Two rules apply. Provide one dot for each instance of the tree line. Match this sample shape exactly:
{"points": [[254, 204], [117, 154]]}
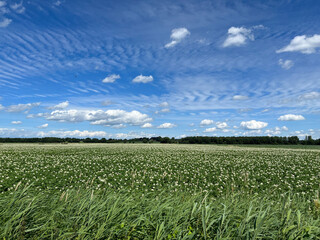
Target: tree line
{"points": [[293, 140]]}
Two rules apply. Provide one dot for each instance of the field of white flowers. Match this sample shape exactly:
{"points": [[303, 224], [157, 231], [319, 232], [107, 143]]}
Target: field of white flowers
{"points": [[147, 168], [154, 191]]}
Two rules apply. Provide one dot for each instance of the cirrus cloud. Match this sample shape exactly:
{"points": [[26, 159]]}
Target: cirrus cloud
{"points": [[286, 64], [22, 107], [240, 97]]}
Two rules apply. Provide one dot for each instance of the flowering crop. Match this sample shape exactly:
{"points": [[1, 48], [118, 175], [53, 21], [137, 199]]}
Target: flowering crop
{"points": [[147, 168]]}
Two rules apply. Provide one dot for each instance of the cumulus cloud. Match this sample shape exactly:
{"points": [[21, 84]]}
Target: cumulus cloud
{"points": [[18, 7], [5, 22], [253, 125], [167, 125], [206, 122], [147, 125], [240, 97], [142, 79], [133, 135], [61, 105], [16, 122], [22, 107], [43, 125], [75, 134], [209, 130], [238, 36], [99, 117], [291, 117], [286, 64], [111, 78], [221, 125], [1, 107], [303, 44], [12, 132], [177, 35]]}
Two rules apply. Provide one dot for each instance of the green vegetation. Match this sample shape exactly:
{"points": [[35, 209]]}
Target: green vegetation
{"points": [[270, 140], [153, 191]]}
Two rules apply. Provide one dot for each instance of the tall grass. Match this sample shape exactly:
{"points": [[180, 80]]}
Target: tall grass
{"points": [[86, 214]]}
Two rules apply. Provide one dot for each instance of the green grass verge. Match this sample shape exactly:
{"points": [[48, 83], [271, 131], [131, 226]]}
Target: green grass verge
{"points": [[86, 214]]}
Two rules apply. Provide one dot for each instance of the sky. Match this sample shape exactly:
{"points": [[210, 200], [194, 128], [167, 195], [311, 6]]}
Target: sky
{"points": [[126, 69]]}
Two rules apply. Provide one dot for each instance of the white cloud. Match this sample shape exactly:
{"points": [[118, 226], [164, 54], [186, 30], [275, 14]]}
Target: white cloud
{"points": [[147, 125], [1, 107], [142, 79], [106, 103], [167, 125], [291, 117], [12, 132], [22, 107], [165, 110], [133, 135], [177, 35], [164, 105], [75, 134], [286, 64], [99, 117], [18, 7], [253, 125], [61, 105], [43, 125], [206, 122], [238, 36], [240, 97], [5, 22], [303, 44], [209, 130], [111, 78], [221, 125], [118, 126], [16, 122], [57, 3], [310, 96], [2, 3], [284, 128]]}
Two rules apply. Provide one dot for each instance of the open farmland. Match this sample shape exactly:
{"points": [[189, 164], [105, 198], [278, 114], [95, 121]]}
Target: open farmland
{"points": [[211, 169], [186, 187]]}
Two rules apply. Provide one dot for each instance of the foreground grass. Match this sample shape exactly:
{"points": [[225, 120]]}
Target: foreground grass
{"points": [[88, 214]]}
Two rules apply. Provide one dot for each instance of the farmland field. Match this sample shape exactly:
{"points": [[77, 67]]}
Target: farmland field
{"points": [[164, 179]]}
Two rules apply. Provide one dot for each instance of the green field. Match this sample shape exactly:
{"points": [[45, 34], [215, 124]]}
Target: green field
{"points": [[154, 191]]}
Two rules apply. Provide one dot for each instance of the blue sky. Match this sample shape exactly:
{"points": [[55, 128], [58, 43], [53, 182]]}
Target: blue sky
{"points": [[123, 69]]}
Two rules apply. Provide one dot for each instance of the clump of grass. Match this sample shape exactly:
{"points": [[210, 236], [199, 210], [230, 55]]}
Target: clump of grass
{"points": [[89, 214]]}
